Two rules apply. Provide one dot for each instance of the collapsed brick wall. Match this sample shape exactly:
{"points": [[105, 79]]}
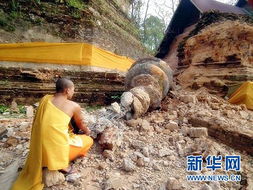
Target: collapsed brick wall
{"points": [[217, 56]]}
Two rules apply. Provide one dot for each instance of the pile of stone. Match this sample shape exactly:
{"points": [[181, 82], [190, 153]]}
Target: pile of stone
{"points": [[151, 151]]}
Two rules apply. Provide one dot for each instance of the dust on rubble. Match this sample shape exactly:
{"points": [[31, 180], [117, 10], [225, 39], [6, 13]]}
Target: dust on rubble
{"points": [[151, 151]]}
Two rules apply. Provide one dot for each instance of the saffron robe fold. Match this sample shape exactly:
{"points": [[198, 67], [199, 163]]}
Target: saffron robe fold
{"points": [[49, 145]]}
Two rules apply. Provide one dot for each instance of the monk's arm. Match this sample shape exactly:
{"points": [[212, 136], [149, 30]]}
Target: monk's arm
{"points": [[80, 120]]}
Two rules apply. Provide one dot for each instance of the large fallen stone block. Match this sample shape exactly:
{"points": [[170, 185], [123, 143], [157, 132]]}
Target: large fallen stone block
{"points": [[148, 81], [110, 138], [198, 132]]}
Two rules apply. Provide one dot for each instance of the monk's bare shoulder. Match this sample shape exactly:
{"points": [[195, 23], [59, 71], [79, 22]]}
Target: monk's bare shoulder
{"points": [[74, 105]]}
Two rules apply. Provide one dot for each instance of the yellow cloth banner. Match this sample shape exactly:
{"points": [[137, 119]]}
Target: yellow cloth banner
{"points": [[243, 95], [64, 53], [49, 146]]}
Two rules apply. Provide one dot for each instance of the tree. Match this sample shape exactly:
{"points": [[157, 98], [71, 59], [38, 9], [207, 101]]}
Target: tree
{"points": [[165, 9], [145, 18], [155, 28], [135, 11]]}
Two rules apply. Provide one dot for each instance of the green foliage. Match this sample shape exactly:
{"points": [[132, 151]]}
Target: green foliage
{"points": [[152, 33], [3, 108], [14, 4], [75, 3], [115, 97], [22, 109], [76, 14], [6, 22]]}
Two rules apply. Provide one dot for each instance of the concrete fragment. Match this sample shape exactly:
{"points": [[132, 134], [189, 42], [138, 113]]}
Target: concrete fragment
{"points": [[206, 187], [156, 167], [145, 126], [115, 181], [215, 185], [126, 99], [184, 130], [14, 107], [11, 141], [143, 161], [3, 132], [138, 144], [198, 132], [140, 162], [145, 151], [134, 122], [110, 138], [51, 178], [115, 107], [108, 154], [24, 126], [128, 165], [73, 177], [188, 99], [173, 184], [171, 125], [10, 132], [29, 111], [165, 152], [244, 114]]}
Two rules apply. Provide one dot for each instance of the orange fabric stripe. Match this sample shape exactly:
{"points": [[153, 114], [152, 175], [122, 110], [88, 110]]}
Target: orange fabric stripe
{"points": [[75, 152]]}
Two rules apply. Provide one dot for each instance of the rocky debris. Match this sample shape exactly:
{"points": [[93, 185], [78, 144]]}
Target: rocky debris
{"points": [[14, 107], [146, 151], [165, 152], [115, 181], [173, 184], [72, 177], [171, 125], [198, 132], [145, 126], [11, 141], [110, 138], [3, 132], [143, 161], [134, 122], [29, 111], [146, 158], [206, 187], [24, 126], [116, 107], [188, 99], [108, 154], [51, 178], [128, 165], [215, 185]]}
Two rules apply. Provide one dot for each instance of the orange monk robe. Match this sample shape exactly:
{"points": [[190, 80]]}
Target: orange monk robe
{"points": [[51, 145]]}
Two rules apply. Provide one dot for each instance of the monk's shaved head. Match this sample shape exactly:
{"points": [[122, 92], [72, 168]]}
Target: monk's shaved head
{"points": [[62, 84]]}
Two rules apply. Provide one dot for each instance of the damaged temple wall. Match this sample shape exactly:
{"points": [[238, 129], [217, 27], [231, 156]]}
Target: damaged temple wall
{"points": [[102, 23]]}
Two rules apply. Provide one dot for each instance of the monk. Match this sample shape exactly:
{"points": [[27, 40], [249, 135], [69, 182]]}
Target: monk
{"points": [[53, 145]]}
